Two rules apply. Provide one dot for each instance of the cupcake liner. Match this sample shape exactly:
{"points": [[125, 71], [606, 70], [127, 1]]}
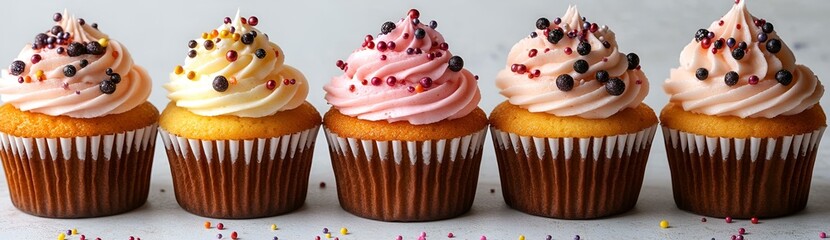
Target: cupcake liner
{"points": [[241, 178], [79, 177], [572, 178], [406, 180], [741, 178]]}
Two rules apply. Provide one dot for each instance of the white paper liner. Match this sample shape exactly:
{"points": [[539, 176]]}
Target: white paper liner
{"points": [[459, 147], [622, 145], [789, 145], [278, 147], [62, 148]]}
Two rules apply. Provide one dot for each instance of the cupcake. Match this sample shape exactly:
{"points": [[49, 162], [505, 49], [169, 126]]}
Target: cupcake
{"points": [[77, 132], [405, 133], [238, 132], [573, 137], [743, 123]]}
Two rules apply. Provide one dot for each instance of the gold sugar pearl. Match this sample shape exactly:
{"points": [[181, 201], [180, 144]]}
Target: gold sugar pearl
{"points": [[191, 75], [205, 36], [40, 75], [233, 80], [214, 33], [236, 37], [104, 42], [178, 70], [224, 33]]}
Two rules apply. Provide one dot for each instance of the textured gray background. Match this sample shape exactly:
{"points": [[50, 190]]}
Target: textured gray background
{"points": [[314, 34]]}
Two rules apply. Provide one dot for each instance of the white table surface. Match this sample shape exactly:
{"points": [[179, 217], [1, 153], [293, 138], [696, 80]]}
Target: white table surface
{"points": [[314, 34]]}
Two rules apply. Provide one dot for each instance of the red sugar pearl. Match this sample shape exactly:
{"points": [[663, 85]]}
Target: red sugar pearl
{"points": [[370, 45], [381, 46], [391, 45], [36, 58], [391, 80], [253, 20], [227, 20], [243, 20], [536, 73], [285, 82], [728, 219], [234, 235], [444, 46], [340, 64], [547, 50], [720, 23], [410, 89], [706, 43], [220, 226], [414, 13], [376, 81], [752, 81], [741, 231], [231, 56], [438, 54], [568, 50], [271, 84], [293, 81], [368, 38], [383, 57], [405, 35], [594, 27], [426, 82], [532, 53], [738, 26], [754, 220], [351, 88]]}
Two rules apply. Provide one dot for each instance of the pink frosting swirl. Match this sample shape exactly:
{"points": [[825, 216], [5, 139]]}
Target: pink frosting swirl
{"points": [[80, 95], [761, 97], [536, 89], [385, 79]]}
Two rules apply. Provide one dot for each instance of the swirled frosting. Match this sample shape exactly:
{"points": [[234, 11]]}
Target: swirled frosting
{"points": [[235, 70], [534, 64], [41, 82], [753, 88], [405, 74]]}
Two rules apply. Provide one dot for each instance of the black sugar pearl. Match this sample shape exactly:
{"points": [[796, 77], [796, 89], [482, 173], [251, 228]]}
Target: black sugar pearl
{"points": [[420, 33], [702, 74], [731, 42], [60, 50], [387, 27], [253, 33], [774, 45], [581, 66], [542, 23], [784, 77], [192, 44], [555, 35], [51, 40], [743, 45], [701, 34], [115, 78], [108, 71], [410, 51], [718, 44], [762, 37], [456, 63], [220, 84], [615, 87], [768, 28], [208, 44], [602, 76], [533, 34], [75, 49], [69, 71], [247, 38], [260, 53], [416, 21], [738, 53], [56, 29], [107, 87], [95, 48], [94, 25], [606, 44], [565, 82], [57, 17], [83, 63], [191, 53], [81, 21], [17, 68], [433, 24], [633, 61], [584, 48], [731, 78]]}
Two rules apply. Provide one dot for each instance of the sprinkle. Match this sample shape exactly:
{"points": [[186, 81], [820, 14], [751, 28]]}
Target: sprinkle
{"points": [[576, 237], [273, 226], [107, 87], [455, 64], [532, 53], [555, 35], [61, 236], [236, 37], [729, 219], [328, 235], [205, 35], [410, 89], [21, 80], [450, 235], [220, 84], [179, 70], [738, 53], [36, 58], [270, 85], [419, 88], [568, 51], [822, 235], [391, 80], [741, 231], [399, 237], [565, 82], [664, 224], [521, 237], [191, 53], [754, 220], [774, 46], [730, 79], [483, 237], [615, 87], [549, 237], [322, 184], [581, 66], [115, 54], [702, 219], [69, 71], [40, 75], [191, 75], [584, 48], [219, 236], [104, 42], [233, 80], [231, 56], [234, 235], [27, 79], [253, 20], [633, 60], [83, 237], [702, 74], [345, 231]]}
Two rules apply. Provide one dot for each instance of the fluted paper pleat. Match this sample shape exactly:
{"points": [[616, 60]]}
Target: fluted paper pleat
{"points": [[79, 177], [406, 180], [241, 178], [741, 178], [572, 178]]}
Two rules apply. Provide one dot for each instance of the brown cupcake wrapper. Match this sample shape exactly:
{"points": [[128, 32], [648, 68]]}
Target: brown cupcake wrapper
{"points": [[79, 177], [572, 178], [236, 179], [406, 181], [741, 178]]}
